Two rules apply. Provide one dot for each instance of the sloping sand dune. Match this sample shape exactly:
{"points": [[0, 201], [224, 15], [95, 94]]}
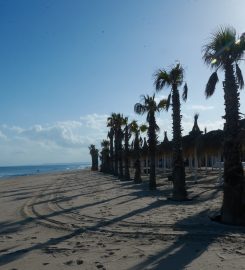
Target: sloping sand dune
{"points": [[87, 220]]}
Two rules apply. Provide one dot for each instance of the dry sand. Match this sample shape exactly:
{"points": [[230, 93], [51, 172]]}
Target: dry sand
{"points": [[87, 220]]}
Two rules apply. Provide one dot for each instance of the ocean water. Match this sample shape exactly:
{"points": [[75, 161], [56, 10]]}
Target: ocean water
{"points": [[11, 171]]}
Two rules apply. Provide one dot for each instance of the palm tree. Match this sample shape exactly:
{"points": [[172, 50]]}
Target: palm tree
{"points": [[105, 160], [120, 122], [111, 134], [174, 79], [137, 142], [150, 107], [94, 155], [127, 135], [223, 52], [115, 122]]}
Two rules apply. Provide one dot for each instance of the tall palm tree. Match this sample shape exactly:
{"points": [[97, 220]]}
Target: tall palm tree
{"points": [[105, 161], [120, 122], [127, 135], [115, 122], [223, 52], [150, 107], [94, 155], [137, 143], [111, 134], [174, 78]]}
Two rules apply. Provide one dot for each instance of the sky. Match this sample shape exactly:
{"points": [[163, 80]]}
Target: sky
{"points": [[67, 65]]}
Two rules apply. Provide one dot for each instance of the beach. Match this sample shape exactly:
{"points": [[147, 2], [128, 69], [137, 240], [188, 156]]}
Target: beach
{"points": [[89, 220]]}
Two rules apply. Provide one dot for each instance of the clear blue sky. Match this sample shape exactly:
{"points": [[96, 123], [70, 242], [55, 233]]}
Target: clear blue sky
{"points": [[66, 65]]}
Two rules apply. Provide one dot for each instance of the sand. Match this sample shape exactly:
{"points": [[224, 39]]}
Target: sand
{"points": [[88, 220]]}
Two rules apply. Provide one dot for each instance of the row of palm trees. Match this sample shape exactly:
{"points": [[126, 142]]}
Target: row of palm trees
{"points": [[117, 159], [224, 52]]}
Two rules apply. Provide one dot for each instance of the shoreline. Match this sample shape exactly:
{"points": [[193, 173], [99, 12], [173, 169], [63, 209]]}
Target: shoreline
{"points": [[39, 171], [89, 220]]}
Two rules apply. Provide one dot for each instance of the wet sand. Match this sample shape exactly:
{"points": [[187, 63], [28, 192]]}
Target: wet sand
{"points": [[88, 220]]}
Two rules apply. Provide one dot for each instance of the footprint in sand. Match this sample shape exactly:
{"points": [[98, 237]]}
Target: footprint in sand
{"points": [[118, 240], [101, 244], [68, 262], [100, 266], [79, 261]]}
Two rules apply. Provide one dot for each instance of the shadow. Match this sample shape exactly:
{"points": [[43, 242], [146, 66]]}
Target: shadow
{"points": [[180, 253], [12, 256], [18, 225], [65, 199], [188, 246], [13, 227], [208, 197]]}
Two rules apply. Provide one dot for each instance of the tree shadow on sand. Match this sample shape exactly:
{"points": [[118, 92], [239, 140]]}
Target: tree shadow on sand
{"points": [[179, 254], [193, 240], [189, 245]]}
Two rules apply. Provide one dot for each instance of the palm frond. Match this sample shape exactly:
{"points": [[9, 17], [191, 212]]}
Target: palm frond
{"points": [[91, 147], [133, 126], [105, 144], [176, 74], [210, 87], [168, 102], [161, 79], [222, 47], [239, 77], [139, 108], [162, 105], [143, 128], [185, 92]]}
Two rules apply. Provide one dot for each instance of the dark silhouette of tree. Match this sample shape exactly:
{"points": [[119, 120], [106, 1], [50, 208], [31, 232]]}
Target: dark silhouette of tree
{"points": [[94, 155], [174, 79], [137, 143], [127, 136], [115, 122], [150, 107], [104, 156], [223, 52], [111, 134]]}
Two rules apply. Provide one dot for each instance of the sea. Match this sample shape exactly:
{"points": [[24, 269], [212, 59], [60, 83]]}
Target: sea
{"points": [[12, 171]]}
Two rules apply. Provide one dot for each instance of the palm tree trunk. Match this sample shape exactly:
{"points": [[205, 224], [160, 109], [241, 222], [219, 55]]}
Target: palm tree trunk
{"points": [[120, 156], [126, 154], [233, 207], [179, 189], [116, 154], [152, 151], [206, 163], [111, 151], [94, 157], [137, 175]]}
